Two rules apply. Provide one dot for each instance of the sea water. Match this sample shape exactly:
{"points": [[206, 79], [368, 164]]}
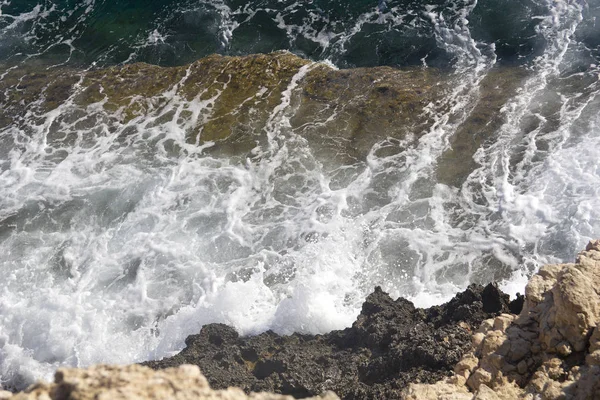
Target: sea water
{"points": [[120, 239]]}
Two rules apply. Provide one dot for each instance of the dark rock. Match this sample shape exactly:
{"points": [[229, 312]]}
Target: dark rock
{"points": [[472, 306], [391, 344], [493, 299], [516, 305]]}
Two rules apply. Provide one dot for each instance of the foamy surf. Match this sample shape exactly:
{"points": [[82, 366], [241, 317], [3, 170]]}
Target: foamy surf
{"points": [[119, 239]]}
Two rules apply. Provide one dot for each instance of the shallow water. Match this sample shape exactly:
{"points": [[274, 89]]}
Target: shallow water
{"points": [[118, 238]]}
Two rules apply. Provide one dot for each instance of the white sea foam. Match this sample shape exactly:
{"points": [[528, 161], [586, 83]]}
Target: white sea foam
{"points": [[28, 29], [516, 174], [118, 240]]}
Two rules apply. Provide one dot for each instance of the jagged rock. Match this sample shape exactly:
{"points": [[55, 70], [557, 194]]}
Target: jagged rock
{"points": [[391, 344], [550, 351], [438, 390], [135, 382]]}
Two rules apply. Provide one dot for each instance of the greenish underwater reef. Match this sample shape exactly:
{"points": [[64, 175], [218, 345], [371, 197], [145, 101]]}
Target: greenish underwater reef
{"points": [[235, 103]]}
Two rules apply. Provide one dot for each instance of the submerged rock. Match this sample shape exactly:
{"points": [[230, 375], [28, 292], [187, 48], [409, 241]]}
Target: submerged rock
{"points": [[391, 344], [234, 104], [551, 350]]}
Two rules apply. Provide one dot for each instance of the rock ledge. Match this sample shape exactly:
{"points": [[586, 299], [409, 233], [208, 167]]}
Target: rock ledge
{"points": [[391, 344]]}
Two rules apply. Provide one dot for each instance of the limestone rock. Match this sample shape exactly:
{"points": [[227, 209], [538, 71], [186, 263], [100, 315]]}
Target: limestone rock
{"points": [[135, 382], [550, 351], [5, 395]]}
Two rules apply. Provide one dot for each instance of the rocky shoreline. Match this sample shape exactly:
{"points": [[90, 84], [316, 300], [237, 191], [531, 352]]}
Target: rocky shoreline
{"points": [[477, 346], [390, 345], [551, 350]]}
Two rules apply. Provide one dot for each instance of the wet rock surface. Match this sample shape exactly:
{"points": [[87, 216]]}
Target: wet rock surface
{"points": [[233, 104], [390, 345]]}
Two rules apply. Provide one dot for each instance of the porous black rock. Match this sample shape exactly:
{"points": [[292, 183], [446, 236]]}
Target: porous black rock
{"points": [[391, 344]]}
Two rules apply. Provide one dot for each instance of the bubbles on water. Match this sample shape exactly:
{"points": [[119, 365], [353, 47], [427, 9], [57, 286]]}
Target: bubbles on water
{"points": [[118, 239], [514, 177], [99, 33]]}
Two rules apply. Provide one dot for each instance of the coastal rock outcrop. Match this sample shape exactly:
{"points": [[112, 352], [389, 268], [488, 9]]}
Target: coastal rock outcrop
{"points": [[390, 345], [550, 351], [135, 382], [475, 347]]}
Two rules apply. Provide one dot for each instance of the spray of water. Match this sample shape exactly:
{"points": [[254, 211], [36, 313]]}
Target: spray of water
{"points": [[119, 239]]}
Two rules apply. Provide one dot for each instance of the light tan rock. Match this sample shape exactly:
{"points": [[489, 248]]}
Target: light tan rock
{"points": [[486, 326], [485, 393], [595, 340], [437, 391], [510, 391], [493, 342], [576, 305], [477, 341], [465, 366], [136, 382], [525, 357], [4, 395], [479, 377], [503, 321]]}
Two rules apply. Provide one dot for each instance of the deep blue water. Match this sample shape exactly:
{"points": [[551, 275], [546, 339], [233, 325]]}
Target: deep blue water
{"points": [[348, 33]]}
